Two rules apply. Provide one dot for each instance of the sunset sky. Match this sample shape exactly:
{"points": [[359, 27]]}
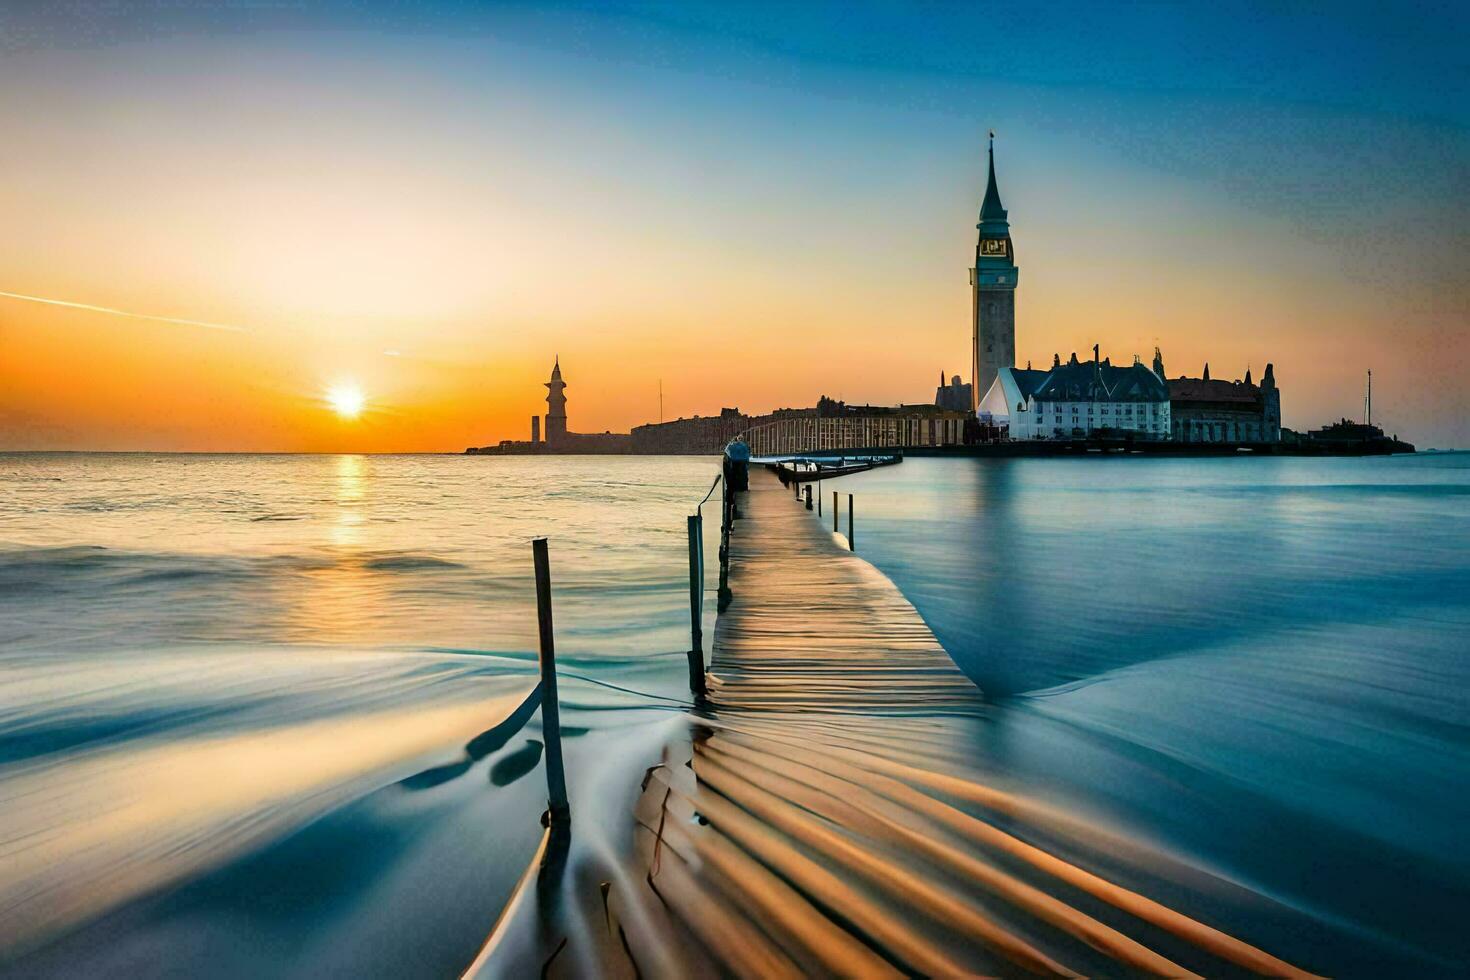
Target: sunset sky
{"points": [[754, 204]]}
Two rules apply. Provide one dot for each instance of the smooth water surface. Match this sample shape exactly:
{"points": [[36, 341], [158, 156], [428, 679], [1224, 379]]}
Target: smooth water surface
{"points": [[1262, 665], [252, 701], [243, 695]]}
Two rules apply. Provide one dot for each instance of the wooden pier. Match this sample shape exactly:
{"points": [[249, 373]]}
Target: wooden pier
{"points": [[825, 820], [825, 815], [813, 627]]}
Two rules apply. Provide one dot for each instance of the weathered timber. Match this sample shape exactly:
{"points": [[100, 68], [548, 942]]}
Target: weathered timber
{"points": [[812, 625]]}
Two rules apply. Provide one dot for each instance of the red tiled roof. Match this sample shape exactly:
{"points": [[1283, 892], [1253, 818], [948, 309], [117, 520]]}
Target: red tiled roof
{"points": [[1199, 390]]}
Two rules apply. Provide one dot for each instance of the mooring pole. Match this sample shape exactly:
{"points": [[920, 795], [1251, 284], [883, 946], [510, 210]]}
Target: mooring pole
{"points": [[851, 541], [727, 507], [696, 605], [819, 498], [558, 813], [836, 514], [808, 496]]}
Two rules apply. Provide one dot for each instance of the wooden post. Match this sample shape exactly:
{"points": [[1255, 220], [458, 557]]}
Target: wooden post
{"points": [[851, 540], [727, 517], [819, 498], [808, 496], [558, 812], [836, 514], [696, 606]]}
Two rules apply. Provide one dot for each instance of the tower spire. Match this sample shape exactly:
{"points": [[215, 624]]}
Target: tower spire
{"points": [[992, 209], [993, 291]]}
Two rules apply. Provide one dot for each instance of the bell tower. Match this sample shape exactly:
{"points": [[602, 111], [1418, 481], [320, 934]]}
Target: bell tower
{"points": [[993, 292], [556, 406]]}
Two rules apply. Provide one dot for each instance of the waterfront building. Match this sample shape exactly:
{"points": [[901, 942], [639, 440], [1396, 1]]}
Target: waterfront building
{"points": [[1215, 410], [1080, 399], [992, 292], [954, 397], [682, 436], [830, 424]]}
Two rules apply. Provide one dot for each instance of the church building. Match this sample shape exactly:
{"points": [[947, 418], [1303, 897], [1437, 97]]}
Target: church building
{"points": [[1080, 399]]}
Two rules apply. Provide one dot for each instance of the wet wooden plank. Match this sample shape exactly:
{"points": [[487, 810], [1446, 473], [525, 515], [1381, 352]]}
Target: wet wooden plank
{"points": [[825, 815], [812, 625]]}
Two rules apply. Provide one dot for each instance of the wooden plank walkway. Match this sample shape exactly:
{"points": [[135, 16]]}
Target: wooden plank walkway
{"points": [[825, 817], [814, 627]]}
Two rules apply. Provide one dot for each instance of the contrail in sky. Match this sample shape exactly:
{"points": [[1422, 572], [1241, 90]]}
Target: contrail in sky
{"points": [[136, 316]]}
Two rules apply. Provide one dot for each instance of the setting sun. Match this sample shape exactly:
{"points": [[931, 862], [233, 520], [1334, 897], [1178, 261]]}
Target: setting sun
{"points": [[346, 400]]}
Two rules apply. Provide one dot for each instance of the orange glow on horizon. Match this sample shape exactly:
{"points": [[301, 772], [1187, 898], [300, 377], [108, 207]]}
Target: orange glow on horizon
{"points": [[190, 280]]}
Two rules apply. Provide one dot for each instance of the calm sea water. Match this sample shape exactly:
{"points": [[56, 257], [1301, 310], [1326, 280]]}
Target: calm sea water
{"points": [[243, 692], [1261, 665]]}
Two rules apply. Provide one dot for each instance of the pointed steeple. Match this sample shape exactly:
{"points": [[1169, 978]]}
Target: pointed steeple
{"points": [[556, 369], [1207, 371], [1247, 375], [992, 209]]}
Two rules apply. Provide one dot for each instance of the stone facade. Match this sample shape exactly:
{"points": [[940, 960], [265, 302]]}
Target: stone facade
{"points": [[1207, 410], [696, 436], [995, 318], [953, 397]]}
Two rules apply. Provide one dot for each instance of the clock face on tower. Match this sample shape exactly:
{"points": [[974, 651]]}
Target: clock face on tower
{"points": [[993, 247]]}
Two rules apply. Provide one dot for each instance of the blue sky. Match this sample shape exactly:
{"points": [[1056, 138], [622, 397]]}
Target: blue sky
{"points": [[1237, 182]]}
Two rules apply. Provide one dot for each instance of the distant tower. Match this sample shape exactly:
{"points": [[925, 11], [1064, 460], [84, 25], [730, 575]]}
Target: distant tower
{"points": [[535, 429], [556, 406], [1159, 365], [1271, 398], [992, 292]]}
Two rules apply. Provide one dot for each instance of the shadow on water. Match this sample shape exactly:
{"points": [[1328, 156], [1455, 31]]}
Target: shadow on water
{"points": [[489, 741], [516, 764]]}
